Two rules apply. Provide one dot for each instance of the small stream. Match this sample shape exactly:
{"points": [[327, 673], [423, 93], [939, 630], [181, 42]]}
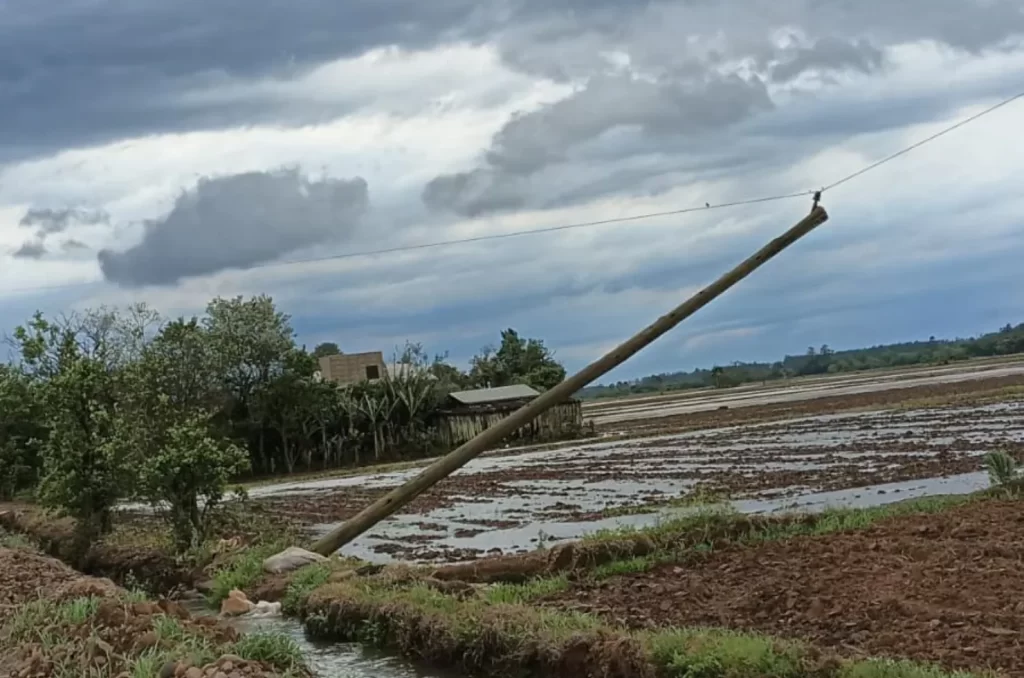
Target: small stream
{"points": [[326, 660], [334, 660]]}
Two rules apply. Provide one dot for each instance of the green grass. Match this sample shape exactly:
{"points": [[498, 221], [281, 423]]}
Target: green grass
{"points": [[700, 653], [521, 593], [698, 531], [497, 630], [278, 650], [243, 570], [302, 583], [35, 621], [9, 540]]}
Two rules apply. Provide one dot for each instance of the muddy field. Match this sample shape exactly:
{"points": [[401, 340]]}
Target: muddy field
{"points": [[617, 412], [942, 588], [513, 502]]}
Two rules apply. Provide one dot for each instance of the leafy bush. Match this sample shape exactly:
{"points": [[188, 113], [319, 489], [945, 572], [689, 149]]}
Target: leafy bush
{"points": [[189, 475]]}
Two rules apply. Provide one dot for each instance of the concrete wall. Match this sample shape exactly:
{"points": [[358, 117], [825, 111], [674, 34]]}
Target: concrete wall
{"points": [[351, 368]]}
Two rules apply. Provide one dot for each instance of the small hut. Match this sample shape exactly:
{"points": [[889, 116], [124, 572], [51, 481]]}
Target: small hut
{"points": [[467, 413]]}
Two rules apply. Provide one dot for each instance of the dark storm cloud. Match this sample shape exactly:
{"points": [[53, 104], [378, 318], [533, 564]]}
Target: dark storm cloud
{"points": [[530, 142], [235, 222], [77, 73], [83, 72], [660, 36], [829, 54], [49, 220]]}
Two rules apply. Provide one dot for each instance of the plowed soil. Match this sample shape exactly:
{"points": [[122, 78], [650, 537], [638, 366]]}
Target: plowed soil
{"points": [[943, 588]]}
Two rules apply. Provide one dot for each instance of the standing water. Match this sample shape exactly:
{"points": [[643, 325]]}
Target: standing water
{"points": [[327, 660]]}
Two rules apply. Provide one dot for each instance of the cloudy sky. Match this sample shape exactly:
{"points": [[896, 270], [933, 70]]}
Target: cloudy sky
{"points": [[172, 151]]}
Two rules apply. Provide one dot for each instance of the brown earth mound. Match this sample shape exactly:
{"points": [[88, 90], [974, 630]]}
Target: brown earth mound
{"points": [[943, 587], [40, 638]]}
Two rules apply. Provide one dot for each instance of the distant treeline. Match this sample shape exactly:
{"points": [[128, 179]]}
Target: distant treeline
{"points": [[1007, 341]]}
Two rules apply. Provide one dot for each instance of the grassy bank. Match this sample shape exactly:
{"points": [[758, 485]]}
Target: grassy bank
{"points": [[57, 623], [495, 625], [700, 530], [478, 636]]}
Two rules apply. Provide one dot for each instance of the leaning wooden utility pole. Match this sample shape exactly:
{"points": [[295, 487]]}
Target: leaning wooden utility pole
{"points": [[445, 466]]}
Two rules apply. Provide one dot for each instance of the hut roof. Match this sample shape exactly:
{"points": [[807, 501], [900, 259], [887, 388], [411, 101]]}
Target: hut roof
{"points": [[482, 396]]}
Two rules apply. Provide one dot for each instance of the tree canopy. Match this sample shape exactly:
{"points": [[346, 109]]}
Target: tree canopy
{"points": [[111, 405]]}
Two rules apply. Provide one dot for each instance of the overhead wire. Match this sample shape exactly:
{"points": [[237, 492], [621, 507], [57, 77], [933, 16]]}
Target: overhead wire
{"points": [[601, 222]]}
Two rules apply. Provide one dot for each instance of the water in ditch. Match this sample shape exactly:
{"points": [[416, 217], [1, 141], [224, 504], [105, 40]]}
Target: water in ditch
{"points": [[328, 660]]}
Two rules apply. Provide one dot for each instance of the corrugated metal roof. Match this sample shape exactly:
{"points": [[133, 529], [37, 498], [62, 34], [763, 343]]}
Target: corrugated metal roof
{"points": [[493, 395]]}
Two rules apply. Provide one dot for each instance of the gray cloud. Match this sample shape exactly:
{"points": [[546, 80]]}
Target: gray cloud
{"points": [[32, 249], [829, 54], [570, 45], [474, 193], [72, 245], [530, 142], [49, 220], [236, 222], [83, 73]]}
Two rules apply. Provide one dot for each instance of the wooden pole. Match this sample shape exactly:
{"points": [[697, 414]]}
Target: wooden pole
{"points": [[445, 466]]}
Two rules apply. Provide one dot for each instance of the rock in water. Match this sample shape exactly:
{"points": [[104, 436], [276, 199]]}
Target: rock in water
{"points": [[291, 559], [235, 604]]}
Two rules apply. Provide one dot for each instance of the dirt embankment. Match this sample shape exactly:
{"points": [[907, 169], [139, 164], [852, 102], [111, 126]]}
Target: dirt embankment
{"points": [[940, 588], [55, 622], [151, 568]]}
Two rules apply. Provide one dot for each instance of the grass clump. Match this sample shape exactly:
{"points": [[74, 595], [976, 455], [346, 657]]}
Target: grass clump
{"points": [[9, 540], [699, 653], [1004, 473], [891, 668], [302, 583], [36, 621], [278, 650], [241, 571], [531, 590]]}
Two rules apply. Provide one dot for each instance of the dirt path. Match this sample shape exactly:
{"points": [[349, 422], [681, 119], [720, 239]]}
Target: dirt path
{"points": [[943, 588]]}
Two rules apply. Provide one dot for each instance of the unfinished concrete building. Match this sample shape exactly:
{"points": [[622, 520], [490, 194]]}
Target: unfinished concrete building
{"points": [[352, 368]]}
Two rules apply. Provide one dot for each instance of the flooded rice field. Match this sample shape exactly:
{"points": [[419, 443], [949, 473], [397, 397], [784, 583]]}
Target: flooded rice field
{"points": [[513, 503], [618, 411]]}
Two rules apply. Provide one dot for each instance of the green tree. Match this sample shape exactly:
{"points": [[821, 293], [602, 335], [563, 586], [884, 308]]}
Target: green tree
{"points": [[325, 349], [517, 361], [22, 431], [249, 341], [85, 472], [79, 362], [189, 474]]}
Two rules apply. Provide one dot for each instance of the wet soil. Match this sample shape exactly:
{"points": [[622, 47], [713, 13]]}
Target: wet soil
{"points": [[777, 460], [961, 393], [942, 588]]}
